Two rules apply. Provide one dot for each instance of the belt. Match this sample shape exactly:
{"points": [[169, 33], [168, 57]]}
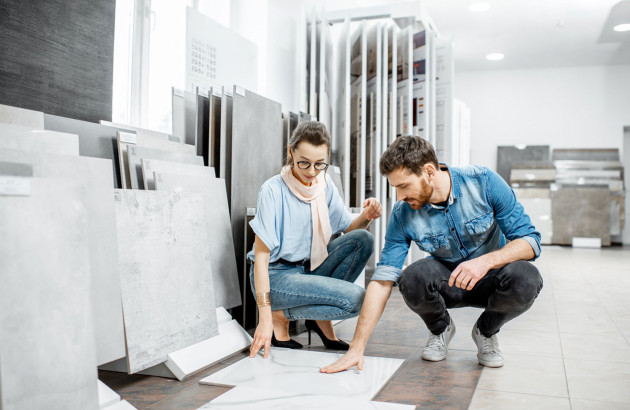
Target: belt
{"points": [[303, 262]]}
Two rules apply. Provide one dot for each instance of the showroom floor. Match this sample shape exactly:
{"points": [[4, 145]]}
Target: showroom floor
{"points": [[571, 350]]}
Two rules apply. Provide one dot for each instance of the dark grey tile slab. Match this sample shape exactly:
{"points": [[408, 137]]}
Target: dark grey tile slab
{"points": [[509, 155], [135, 154], [214, 147], [202, 131], [586, 154], [225, 167]]}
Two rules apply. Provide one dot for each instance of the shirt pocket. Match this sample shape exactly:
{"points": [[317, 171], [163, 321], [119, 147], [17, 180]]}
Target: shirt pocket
{"points": [[436, 245], [479, 228]]}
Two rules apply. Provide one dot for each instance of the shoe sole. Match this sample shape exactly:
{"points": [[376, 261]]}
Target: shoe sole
{"points": [[490, 364]]}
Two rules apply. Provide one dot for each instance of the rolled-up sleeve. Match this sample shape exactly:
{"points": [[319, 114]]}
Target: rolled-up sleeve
{"points": [[510, 214], [264, 223], [394, 252]]}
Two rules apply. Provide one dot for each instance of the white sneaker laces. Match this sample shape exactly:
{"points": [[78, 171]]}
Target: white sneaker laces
{"points": [[436, 341], [489, 345]]}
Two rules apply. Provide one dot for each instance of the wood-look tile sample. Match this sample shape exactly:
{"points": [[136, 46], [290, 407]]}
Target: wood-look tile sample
{"points": [[165, 274], [31, 139], [152, 166], [135, 154], [225, 276], [95, 174], [47, 347]]}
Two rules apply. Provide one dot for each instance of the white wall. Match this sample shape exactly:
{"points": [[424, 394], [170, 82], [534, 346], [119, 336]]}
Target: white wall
{"points": [[578, 107]]}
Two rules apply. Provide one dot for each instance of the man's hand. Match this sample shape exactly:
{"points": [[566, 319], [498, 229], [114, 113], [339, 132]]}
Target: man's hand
{"points": [[467, 274], [372, 209], [351, 358]]}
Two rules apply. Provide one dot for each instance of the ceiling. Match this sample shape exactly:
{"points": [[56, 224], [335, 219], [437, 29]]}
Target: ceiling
{"points": [[531, 33]]}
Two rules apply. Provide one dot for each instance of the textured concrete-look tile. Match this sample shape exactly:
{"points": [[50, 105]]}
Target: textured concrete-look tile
{"points": [[527, 374], [225, 276], [597, 380], [165, 274], [21, 117], [36, 140], [486, 399], [151, 167], [135, 154], [47, 350]]}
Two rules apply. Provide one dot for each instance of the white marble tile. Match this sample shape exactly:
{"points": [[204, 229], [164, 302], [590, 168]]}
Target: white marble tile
{"points": [[487, 399], [106, 396], [36, 140], [154, 166], [135, 154], [96, 175], [165, 274], [245, 398], [226, 285], [47, 348], [21, 116], [597, 380], [298, 372]]}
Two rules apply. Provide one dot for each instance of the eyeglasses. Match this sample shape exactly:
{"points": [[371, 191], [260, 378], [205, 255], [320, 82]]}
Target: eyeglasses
{"points": [[319, 166]]}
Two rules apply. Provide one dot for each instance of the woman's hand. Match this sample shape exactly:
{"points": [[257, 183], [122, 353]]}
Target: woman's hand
{"points": [[372, 209], [262, 338]]}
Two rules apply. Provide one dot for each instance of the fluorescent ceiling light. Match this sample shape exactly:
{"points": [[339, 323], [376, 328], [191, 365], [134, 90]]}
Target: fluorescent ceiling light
{"points": [[495, 56], [477, 7], [622, 27]]}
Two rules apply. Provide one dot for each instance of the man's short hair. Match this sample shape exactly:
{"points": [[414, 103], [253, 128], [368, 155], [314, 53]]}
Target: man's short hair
{"points": [[408, 152]]}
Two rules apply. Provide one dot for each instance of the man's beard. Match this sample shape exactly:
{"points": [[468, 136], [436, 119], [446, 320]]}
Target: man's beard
{"points": [[423, 198]]}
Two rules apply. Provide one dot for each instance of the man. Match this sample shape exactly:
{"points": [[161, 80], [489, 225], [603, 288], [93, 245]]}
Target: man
{"points": [[461, 216]]}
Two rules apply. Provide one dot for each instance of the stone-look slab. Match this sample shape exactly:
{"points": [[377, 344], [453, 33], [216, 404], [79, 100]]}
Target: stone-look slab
{"points": [[256, 155], [202, 129], [95, 175], [31, 139], [586, 154], [225, 275], [14, 168], [298, 372], [21, 117], [165, 274], [225, 155], [153, 166], [47, 350], [582, 212], [135, 154], [144, 132], [214, 148], [245, 398], [510, 155], [147, 141]]}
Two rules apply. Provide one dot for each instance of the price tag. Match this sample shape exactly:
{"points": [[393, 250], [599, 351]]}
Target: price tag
{"points": [[15, 186]]}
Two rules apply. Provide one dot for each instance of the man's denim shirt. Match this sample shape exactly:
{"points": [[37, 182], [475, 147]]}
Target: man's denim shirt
{"points": [[482, 212]]}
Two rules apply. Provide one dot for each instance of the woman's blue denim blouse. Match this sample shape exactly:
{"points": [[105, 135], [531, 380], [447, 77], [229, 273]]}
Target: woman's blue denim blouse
{"points": [[480, 214]]}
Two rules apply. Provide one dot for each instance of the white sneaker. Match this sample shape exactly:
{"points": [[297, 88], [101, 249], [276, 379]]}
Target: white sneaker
{"points": [[488, 352], [436, 347]]}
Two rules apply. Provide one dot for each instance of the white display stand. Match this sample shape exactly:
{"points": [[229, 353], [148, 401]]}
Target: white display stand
{"points": [[232, 338]]}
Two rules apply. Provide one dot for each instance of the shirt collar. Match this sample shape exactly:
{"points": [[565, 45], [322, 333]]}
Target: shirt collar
{"points": [[455, 190]]}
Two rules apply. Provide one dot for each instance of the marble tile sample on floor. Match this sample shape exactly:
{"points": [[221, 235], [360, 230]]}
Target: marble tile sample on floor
{"points": [[31, 139], [244, 398], [298, 372], [47, 350], [95, 174], [153, 166], [225, 275], [21, 116], [580, 212], [124, 140], [165, 274], [135, 154]]}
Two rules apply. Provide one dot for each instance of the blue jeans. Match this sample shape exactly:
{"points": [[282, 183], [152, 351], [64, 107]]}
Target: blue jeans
{"points": [[328, 292]]}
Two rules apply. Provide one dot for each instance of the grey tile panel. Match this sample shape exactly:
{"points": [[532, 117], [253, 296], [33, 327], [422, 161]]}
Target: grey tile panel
{"points": [[509, 155], [225, 166], [153, 166], [30, 139], [202, 131], [580, 211], [135, 154], [21, 117], [586, 154]]}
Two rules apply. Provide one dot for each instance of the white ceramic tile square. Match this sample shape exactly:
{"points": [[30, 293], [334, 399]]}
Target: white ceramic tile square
{"points": [[486, 399], [47, 349], [597, 380], [96, 175], [298, 372], [153, 166], [36, 140], [226, 285], [106, 396], [165, 274], [245, 398], [135, 154], [21, 116], [527, 374]]}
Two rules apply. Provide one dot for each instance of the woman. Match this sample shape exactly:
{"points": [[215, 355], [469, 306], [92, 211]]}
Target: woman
{"points": [[298, 273]]}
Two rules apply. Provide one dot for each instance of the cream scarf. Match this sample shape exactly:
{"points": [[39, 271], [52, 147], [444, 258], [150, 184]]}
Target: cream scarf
{"points": [[315, 194]]}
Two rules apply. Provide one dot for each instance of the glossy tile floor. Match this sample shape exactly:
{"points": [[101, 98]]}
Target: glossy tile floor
{"points": [[570, 351]]}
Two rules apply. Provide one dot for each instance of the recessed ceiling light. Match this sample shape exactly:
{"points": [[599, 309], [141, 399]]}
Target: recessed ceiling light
{"points": [[622, 27], [495, 56], [478, 7]]}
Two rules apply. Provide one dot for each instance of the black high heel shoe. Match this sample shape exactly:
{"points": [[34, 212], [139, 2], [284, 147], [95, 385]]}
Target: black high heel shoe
{"points": [[289, 344], [330, 344]]}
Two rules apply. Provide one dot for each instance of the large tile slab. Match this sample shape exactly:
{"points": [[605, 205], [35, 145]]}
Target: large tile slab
{"points": [[527, 374], [21, 116], [581, 404], [95, 175], [135, 154], [580, 212], [298, 372], [597, 380], [510, 155], [152, 166], [486, 399], [608, 348], [31, 139], [165, 272], [47, 350], [248, 397], [225, 276]]}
